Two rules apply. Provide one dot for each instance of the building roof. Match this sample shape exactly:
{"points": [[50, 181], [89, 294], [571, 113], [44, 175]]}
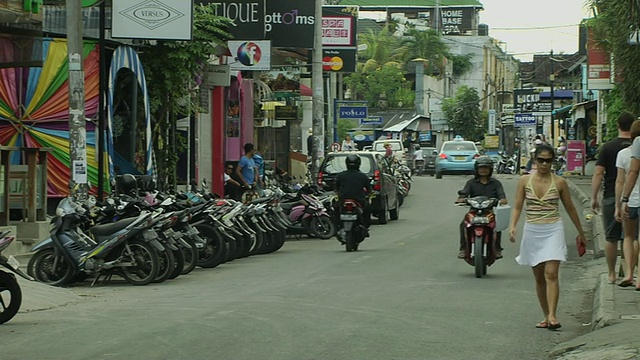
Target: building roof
{"points": [[381, 4]]}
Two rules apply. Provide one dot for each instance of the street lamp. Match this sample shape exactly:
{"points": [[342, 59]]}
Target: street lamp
{"points": [[589, 95]]}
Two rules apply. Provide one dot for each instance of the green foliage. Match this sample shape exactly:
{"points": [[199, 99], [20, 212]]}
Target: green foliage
{"points": [[464, 115], [615, 106], [344, 125], [387, 80], [428, 45], [381, 47], [461, 64], [171, 68], [615, 21]]}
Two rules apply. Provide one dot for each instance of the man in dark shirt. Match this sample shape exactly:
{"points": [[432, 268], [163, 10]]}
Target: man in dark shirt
{"points": [[481, 185], [606, 168], [354, 184]]}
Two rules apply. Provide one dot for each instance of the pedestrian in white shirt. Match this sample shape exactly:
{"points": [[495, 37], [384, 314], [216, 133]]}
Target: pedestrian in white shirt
{"points": [[629, 222], [348, 144]]}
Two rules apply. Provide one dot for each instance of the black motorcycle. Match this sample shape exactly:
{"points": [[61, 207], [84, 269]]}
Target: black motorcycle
{"points": [[10, 293]]}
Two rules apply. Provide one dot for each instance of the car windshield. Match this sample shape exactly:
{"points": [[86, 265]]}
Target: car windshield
{"points": [[335, 164], [458, 146], [395, 146]]}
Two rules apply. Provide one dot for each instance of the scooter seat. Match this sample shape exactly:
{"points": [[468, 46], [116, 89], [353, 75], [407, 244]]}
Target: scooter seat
{"points": [[289, 206], [108, 229]]}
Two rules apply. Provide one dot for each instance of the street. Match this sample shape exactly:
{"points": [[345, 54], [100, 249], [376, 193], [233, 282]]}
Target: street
{"points": [[404, 295]]}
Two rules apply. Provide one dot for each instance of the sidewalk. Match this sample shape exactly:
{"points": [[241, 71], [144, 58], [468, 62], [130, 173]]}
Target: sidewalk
{"points": [[615, 318]]}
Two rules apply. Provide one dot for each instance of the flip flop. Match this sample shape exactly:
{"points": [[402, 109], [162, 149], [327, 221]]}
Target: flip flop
{"points": [[626, 283], [554, 326], [542, 325]]}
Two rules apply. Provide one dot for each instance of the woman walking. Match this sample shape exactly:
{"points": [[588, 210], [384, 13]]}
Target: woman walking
{"points": [[348, 144], [543, 244]]}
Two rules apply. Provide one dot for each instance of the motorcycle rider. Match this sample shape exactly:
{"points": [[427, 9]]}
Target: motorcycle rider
{"points": [[481, 185], [354, 184]]}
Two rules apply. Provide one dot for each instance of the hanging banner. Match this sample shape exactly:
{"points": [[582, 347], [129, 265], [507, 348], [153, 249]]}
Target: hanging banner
{"points": [[250, 55], [598, 65]]}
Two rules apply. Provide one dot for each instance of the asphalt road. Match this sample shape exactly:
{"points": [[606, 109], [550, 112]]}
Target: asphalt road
{"points": [[404, 295]]}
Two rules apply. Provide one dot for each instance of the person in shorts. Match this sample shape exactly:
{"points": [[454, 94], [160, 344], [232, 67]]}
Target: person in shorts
{"points": [[604, 177], [630, 223]]}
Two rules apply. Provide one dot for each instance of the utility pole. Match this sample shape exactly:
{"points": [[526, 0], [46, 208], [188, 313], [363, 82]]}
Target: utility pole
{"points": [[552, 78], [77, 126], [318, 93]]}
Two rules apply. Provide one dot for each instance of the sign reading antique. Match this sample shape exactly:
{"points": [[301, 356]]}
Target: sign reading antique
{"points": [[152, 19], [247, 17]]}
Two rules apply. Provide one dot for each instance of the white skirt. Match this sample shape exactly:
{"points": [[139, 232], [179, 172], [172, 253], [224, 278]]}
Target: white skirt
{"points": [[542, 242]]}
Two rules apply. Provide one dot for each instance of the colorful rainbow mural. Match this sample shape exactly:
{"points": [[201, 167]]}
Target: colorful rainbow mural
{"points": [[34, 109]]}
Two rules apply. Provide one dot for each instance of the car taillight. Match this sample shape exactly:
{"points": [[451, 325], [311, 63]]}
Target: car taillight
{"points": [[320, 178], [442, 156], [376, 179], [476, 156]]}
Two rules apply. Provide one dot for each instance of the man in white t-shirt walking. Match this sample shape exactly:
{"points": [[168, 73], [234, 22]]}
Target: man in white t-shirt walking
{"points": [[630, 224]]}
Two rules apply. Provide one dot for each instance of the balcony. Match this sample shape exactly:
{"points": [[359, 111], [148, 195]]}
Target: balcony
{"points": [[13, 11]]}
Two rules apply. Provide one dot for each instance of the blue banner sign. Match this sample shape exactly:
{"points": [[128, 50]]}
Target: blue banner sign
{"points": [[371, 120], [522, 120], [353, 112]]}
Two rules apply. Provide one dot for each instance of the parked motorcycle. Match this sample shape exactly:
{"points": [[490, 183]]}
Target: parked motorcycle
{"points": [[127, 247], [10, 293], [506, 164], [308, 216], [480, 225]]}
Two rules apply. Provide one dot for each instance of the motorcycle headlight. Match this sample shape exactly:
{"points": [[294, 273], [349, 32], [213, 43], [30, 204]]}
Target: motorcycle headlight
{"points": [[473, 203]]}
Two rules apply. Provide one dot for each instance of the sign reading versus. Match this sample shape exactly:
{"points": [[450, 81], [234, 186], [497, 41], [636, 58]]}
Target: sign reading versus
{"points": [[152, 19]]}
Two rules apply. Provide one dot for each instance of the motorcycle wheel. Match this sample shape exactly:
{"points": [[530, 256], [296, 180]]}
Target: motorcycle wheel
{"points": [[400, 199], [382, 215], [349, 242], [478, 261], [232, 249], [145, 259], [40, 267], [178, 255], [214, 251], [259, 240], [323, 227], [166, 265], [191, 256], [279, 239], [10, 294]]}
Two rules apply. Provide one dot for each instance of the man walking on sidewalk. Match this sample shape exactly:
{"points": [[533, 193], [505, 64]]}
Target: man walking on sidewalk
{"points": [[606, 168]]}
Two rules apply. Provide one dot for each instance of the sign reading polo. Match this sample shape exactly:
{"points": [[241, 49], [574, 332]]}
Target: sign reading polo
{"points": [[152, 19], [353, 112]]}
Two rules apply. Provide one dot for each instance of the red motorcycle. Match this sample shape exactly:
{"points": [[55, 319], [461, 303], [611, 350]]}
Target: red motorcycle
{"points": [[480, 227]]}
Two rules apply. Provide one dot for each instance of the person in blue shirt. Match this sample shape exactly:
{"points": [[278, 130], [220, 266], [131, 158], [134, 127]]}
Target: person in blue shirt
{"points": [[247, 170], [259, 161]]}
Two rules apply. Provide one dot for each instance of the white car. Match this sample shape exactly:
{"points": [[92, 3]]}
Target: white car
{"points": [[396, 146]]}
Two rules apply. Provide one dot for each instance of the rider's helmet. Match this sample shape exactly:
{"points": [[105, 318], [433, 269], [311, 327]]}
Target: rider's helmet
{"points": [[483, 161], [128, 185], [353, 162]]}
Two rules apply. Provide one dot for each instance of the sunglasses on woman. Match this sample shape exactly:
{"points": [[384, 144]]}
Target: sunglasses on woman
{"points": [[542, 160]]}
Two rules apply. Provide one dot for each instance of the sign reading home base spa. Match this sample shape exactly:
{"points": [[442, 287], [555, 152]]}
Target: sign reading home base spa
{"points": [[152, 19]]}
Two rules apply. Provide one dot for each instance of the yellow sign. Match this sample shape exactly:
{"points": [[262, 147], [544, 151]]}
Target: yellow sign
{"points": [[491, 142]]}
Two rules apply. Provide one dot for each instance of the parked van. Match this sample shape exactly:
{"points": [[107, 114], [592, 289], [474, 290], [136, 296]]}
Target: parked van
{"points": [[396, 146]]}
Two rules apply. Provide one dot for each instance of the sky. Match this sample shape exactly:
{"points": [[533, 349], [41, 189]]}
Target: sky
{"points": [[549, 17]]}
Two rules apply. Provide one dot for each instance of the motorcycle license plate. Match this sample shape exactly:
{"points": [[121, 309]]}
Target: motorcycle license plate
{"points": [[480, 220], [348, 217], [13, 262], [150, 234]]}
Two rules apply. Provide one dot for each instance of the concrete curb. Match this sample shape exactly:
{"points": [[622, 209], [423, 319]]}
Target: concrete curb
{"points": [[594, 228], [603, 313]]}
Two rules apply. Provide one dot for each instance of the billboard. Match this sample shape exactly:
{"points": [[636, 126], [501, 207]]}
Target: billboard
{"points": [[598, 65], [152, 19], [453, 20], [290, 23], [339, 60], [247, 17], [339, 26], [250, 55]]}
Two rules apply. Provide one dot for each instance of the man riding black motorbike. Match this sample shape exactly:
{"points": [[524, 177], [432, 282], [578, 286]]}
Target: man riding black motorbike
{"points": [[481, 185], [354, 184]]}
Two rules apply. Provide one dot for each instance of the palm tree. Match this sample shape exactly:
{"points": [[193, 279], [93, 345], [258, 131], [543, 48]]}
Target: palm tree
{"points": [[425, 44], [381, 48]]}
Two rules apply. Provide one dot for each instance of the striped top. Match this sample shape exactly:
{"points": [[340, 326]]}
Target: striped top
{"points": [[542, 210]]}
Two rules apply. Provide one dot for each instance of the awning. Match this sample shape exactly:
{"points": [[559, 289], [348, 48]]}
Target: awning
{"points": [[417, 123], [560, 113], [305, 90], [558, 94]]}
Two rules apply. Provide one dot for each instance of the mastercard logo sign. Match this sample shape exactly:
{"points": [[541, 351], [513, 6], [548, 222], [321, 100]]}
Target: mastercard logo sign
{"points": [[334, 63]]}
